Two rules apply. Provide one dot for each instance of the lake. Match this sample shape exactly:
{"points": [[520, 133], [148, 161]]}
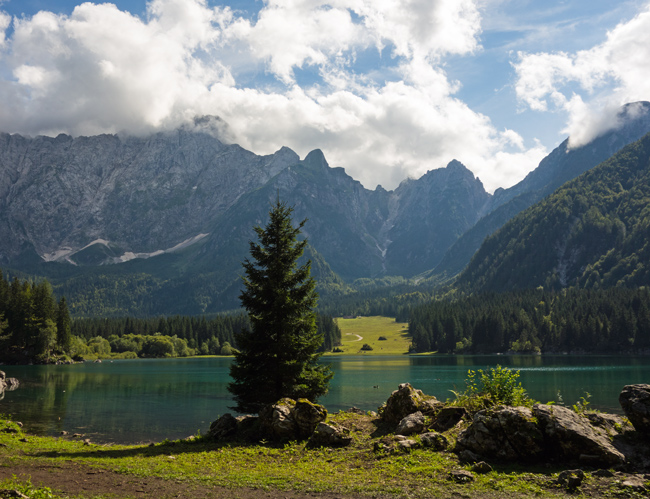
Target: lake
{"points": [[129, 401]]}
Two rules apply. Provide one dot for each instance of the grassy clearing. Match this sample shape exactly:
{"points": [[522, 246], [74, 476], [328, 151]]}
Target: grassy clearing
{"points": [[354, 470], [367, 330]]}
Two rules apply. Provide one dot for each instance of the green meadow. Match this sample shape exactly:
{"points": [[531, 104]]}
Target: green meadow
{"points": [[368, 330]]}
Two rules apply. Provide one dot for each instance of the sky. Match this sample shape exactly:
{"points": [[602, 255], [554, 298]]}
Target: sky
{"points": [[387, 89]]}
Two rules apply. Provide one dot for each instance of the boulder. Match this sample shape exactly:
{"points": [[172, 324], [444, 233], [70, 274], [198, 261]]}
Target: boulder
{"points": [[307, 416], [411, 424], [448, 417], [635, 401], [407, 400], [571, 479], [570, 436], [434, 440], [508, 433], [330, 435], [224, 427], [290, 420], [276, 420]]}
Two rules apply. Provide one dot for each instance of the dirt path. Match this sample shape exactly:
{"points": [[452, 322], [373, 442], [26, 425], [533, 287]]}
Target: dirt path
{"points": [[359, 338], [79, 480]]}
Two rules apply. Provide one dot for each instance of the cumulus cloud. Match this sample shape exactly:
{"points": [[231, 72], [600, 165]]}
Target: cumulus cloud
{"points": [[104, 70], [590, 85], [5, 21]]}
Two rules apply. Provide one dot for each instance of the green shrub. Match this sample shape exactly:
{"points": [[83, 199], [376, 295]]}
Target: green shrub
{"points": [[366, 347], [498, 386]]}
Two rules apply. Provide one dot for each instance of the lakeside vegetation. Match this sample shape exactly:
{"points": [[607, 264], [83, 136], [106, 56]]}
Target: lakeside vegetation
{"points": [[534, 321], [373, 464]]}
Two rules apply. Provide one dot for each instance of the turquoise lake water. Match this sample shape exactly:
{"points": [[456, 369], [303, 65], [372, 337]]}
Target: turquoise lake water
{"points": [[133, 401]]}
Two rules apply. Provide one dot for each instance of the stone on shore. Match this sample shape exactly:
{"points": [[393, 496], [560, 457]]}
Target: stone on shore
{"points": [[635, 401], [508, 433], [569, 436], [407, 400]]}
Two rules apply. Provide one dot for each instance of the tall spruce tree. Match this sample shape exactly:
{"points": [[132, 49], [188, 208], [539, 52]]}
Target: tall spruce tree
{"points": [[277, 357]]}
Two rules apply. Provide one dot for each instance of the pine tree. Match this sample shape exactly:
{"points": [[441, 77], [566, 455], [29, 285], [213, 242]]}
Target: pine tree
{"points": [[63, 334], [278, 354]]}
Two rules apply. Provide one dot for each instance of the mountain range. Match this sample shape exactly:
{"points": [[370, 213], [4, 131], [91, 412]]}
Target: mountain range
{"points": [[160, 224]]}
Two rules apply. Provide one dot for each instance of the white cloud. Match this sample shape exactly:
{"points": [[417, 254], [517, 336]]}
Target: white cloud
{"points": [[5, 21], [104, 70], [590, 85]]}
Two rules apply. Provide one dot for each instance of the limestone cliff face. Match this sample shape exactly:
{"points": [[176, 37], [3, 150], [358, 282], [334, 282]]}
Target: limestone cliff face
{"points": [[138, 195], [97, 201]]}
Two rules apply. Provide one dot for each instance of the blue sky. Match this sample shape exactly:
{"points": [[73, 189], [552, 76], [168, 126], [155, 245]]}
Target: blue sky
{"points": [[386, 88]]}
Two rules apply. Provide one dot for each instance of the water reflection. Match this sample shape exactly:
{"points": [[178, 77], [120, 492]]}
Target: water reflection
{"points": [[149, 400]]}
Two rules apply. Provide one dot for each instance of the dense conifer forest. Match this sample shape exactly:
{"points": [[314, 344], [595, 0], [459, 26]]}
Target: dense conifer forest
{"points": [[35, 327], [533, 321]]}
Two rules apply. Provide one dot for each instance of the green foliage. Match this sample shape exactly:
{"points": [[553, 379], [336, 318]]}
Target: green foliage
{"points": [[366, 347], [591, 233], [278, 355], [533, 321], [581, 405], [29, 320], [26, 488], [498, 386]]}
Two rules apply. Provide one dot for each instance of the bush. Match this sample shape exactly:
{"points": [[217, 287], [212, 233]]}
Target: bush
{"points": [[382, 338], [495, 387], [366, 347]]}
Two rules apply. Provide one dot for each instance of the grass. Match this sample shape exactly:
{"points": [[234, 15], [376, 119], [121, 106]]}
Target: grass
{"points": [[354, 470], [370, 329]]}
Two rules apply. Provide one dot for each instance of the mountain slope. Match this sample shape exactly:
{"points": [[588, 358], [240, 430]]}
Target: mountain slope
{"points": [[562, 165], [130, 195], [592, 232]]}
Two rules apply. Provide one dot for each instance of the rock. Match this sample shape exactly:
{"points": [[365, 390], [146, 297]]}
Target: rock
{"points": [[411, 424], [290, 420], [224, 427], [571, 479], [12, 383], [408, 444], [355, 410], [447, 418], [330, 435], [509, 433], [307, 416], [434, 440], [276, 420], [604, 473], [248, 427], [397, 443], [613, 424], [407, 400], [635, 484], [635, 401], [467, 456], [569, 435], [461, 476], [481, 467]]}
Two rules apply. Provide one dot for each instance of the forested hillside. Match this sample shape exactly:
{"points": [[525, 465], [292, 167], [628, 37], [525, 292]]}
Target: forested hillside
{"points": [[593, 232], [533, 321]]}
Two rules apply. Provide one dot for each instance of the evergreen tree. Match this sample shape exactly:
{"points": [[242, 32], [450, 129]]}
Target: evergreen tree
{"points": [[277, 356], [63, 334]]}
